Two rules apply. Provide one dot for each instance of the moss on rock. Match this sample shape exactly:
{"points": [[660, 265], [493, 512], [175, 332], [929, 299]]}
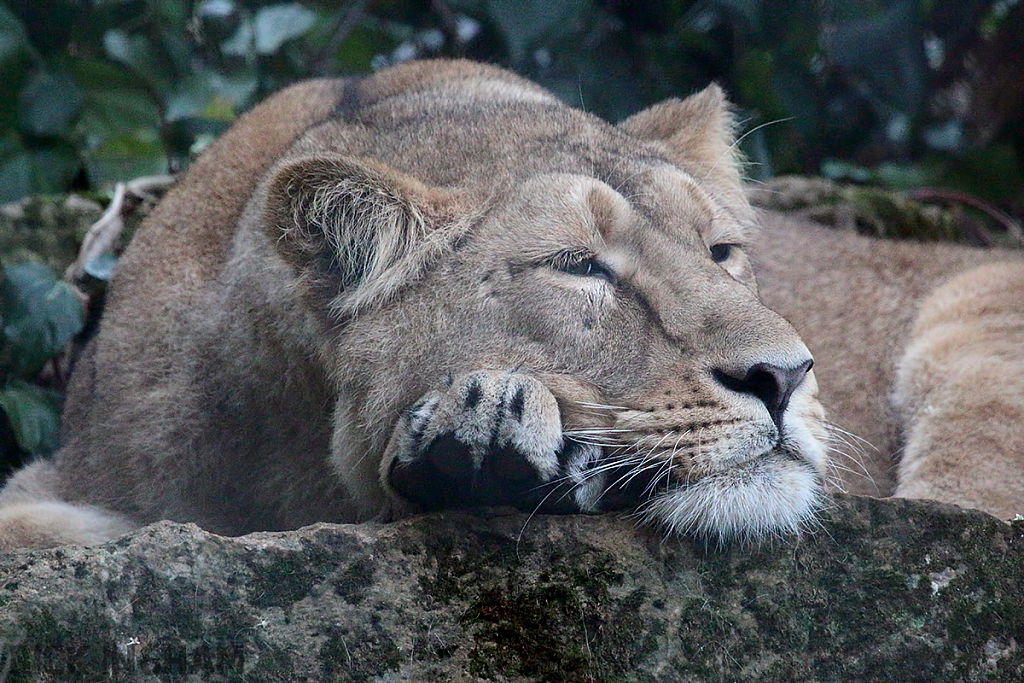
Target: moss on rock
{"points": [[872, 211], [885, 591], [46, 229]]}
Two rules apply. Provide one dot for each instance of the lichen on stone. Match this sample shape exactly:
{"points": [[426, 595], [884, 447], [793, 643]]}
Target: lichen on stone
{"points": [[506, 597]]}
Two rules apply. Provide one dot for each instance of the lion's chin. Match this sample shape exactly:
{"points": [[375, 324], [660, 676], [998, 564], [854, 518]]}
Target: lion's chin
{"points": [[772, 497]]}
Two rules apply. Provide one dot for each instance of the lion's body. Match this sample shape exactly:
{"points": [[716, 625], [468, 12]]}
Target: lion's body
{"points": [[854, 300], [361, 274]]}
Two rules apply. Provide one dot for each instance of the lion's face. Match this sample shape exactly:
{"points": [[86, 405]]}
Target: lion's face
{"points": [[639, 306], [616, 275]]}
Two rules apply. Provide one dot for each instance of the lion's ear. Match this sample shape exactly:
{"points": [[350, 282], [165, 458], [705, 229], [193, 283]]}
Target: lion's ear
{"points": [[356, 231], [698, 129], [698, 134]]}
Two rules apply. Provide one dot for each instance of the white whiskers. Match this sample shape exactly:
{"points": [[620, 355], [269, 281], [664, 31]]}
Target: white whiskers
{"points": [[767, 498], [847, 452]]}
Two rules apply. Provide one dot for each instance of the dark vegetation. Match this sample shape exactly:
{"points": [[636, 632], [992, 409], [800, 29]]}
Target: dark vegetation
{"points": [[924, 96]]}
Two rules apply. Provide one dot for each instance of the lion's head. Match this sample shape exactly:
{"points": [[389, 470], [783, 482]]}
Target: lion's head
{"points": [[461, 219]]}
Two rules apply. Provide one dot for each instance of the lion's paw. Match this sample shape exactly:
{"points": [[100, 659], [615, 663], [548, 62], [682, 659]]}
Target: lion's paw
{"points": [[492, 438]]}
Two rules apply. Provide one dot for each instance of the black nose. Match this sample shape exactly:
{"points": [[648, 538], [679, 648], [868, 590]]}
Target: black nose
{"points": [[770, 383]]}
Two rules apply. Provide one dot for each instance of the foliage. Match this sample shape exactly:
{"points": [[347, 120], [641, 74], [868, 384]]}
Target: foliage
{"points": [[38, 317], [928, 91], [898, 93]]}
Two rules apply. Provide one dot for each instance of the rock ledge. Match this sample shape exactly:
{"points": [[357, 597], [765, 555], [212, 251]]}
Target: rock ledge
{"points": [[883, 591]]}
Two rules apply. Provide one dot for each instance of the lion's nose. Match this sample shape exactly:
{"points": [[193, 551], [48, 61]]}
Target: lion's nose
{"points": [[773, 384]]}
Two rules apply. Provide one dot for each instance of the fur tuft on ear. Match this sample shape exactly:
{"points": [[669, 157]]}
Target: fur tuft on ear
{"points": [[355, 230], [697, 134], [699, 129]]}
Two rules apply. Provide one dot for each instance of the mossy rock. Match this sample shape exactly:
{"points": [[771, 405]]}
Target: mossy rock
{"points": [[881, 591], [866, 210], [46, 229]]}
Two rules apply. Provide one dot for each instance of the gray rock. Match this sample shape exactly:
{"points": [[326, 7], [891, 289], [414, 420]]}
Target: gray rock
{"points": [[882, 591], [45, 229]]}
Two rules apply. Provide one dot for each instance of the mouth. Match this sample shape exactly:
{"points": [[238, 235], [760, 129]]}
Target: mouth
{"points": [[744, 496], [604, 476], [771, 496]]}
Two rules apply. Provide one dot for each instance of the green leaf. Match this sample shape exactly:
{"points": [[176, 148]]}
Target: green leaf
{"points": [[40, 315], [239, 89], [138, 54], [523, 22], [172, 44], [902, 176], [992, 173], [15, 170], [25, 171], [34, 414], [356, 53], [270, 29], [126, 156], [242, 42], [185, 138], [280, 23], [209, 95], [53, 167], [884, 49], [13, 41], [115, 102], [48, 104], [189, 98], [749, 10], [841, 170]]}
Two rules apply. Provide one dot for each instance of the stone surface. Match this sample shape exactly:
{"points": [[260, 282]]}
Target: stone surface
{"points": [[882, 591], [46, 229], [868, 210]]}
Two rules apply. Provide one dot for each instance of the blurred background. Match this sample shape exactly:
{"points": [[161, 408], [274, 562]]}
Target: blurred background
{"points": [[924, 97], [905, 93]]}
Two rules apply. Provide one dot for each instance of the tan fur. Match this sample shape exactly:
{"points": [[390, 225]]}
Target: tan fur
{"points": [[30, 516], [359, 268], [960, 389], [855, 301]]}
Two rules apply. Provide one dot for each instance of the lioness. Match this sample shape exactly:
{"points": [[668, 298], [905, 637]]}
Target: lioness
{"points": [[441, 287]]}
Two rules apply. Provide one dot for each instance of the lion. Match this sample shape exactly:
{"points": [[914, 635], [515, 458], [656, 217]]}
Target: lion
{"points": [[440, 287]]}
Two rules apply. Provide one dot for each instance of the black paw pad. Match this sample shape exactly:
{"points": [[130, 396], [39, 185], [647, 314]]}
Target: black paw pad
{"points": [[517, 404], [451, 458], [473, 394]]}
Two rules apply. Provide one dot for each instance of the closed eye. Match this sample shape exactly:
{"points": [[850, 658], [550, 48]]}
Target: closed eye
{"points": [[720, 253], [582, 264]]}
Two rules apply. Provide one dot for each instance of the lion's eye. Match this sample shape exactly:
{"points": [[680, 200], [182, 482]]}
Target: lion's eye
{"points": [[721, 252], [584, 267]]}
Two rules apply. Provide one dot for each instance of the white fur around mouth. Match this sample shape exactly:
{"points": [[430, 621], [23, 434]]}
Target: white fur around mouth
{"points": [[769, 497]]}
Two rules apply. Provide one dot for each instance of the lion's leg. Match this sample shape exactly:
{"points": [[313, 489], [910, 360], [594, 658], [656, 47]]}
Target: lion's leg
{"points": [[491, 438], [960, 387], [32, 517]]}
